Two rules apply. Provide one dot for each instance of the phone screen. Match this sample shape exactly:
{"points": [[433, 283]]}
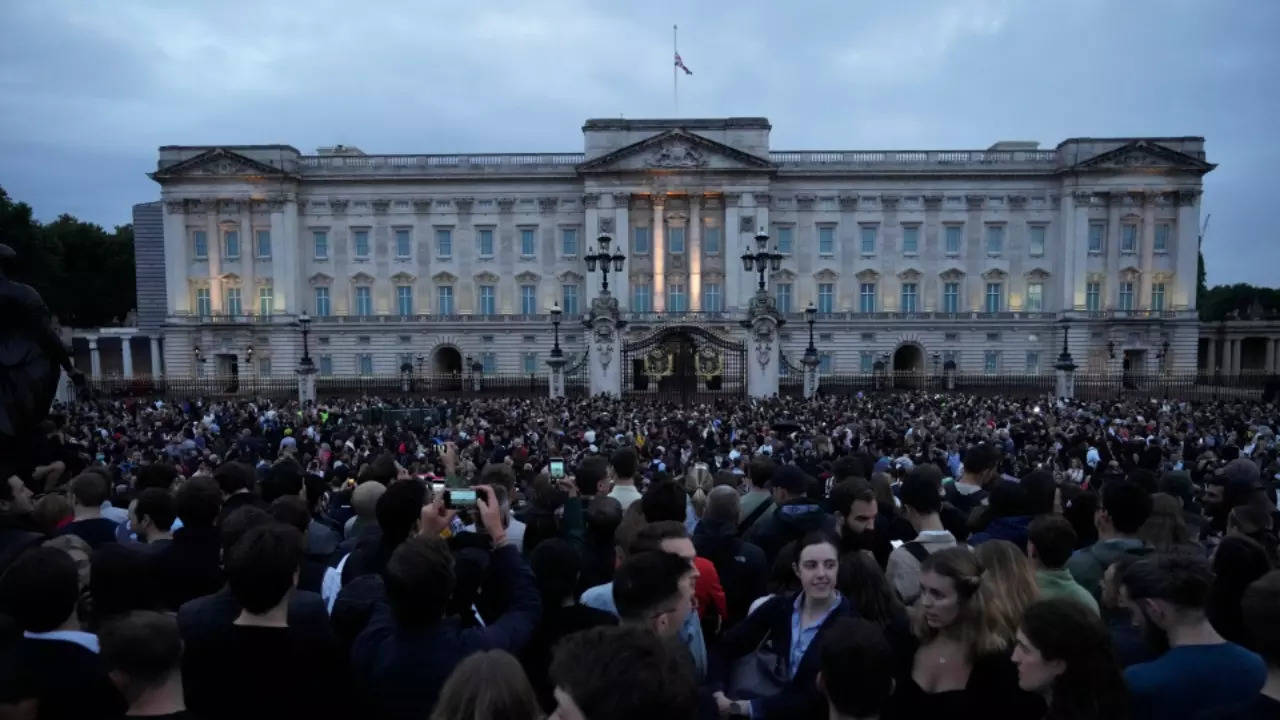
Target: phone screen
{"points": [[459, 498], [557, 467]]}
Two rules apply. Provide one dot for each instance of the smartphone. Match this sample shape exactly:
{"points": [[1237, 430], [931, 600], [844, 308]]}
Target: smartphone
{"points": [[455, 499], [557, 468]]}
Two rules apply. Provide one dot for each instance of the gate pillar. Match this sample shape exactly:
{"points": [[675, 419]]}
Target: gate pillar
{"points": [[605, 361], [762, 323]]}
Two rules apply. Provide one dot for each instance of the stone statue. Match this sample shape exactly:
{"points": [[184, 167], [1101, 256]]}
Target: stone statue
{"points": [[32, 358]]}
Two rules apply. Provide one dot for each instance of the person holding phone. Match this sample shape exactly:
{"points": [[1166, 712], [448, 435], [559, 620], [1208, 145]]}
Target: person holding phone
{"points": [[409, 648]]}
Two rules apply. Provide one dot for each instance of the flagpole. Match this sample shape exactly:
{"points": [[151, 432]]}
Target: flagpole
{"points": [[675, 77]]}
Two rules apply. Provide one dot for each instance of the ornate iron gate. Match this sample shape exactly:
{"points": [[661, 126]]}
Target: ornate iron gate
{"points": [[684, 363]]}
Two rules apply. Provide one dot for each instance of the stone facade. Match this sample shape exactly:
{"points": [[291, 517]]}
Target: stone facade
{"points": [[913, 257]]}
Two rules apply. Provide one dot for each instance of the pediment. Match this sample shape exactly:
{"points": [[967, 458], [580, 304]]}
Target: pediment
{"points": [[220, 162], [1038, 274], [320, 279], [953, 273], [1144, 155], [444, 277], [867, 275], [783, 275], [826, 275], [361, 278], [909, 275], [527, 277], [403, 278], [487, 278], [676, 150], [995, 274], [569, 276]]}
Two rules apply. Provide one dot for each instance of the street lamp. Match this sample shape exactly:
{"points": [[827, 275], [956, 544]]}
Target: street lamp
{"points": [[811, 316], [304, 321], [606, 260], [555, 323], [762, 259]]}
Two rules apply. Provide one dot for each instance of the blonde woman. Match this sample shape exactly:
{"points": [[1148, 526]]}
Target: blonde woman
{"points": [[1013, 581], [960, 667]]}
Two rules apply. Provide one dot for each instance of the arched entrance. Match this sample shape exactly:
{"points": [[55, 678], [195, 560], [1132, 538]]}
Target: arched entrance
{"points": [[908, 366], [683, 363], [446, 360]]}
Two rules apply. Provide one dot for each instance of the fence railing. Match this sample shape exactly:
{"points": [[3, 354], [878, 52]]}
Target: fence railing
{"points": [[328, 386]]}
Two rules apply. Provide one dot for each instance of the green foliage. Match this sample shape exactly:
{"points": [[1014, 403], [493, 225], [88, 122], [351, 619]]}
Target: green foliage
{"points": [[85, 274], [1240, 301]]}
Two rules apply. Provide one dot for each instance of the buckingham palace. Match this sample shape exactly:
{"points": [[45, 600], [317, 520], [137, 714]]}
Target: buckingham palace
{"points": [[910, 258]]}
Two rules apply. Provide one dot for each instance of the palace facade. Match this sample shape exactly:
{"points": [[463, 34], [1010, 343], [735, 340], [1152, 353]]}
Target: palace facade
{"points": [[913, 258]]}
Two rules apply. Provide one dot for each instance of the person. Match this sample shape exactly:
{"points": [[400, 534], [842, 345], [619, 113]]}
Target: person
{"points": [[742, 567], [854, 504], [592, 477], [236, 481], [1261, 606], [1064, 655], [1237, 562], [921, 504], [1050, 540], [556, 565], [872, 597], [960, 667], [190, 566], [408, 648], [142, 652], [794, 514], [623, 462], [603, 516], [151, 517], [488, 685], [979, 470], [1008, 514], [654, 590], [18, 529], [364, 503], [88, 491], [54, 662], [621, 673], [1013, 583], [1125, 507], [756, 500], [214, 614], [1129, 641], [259, 667], [793, 627], [856, 669], [1165, 529], [1200, 672], [670, 537]]}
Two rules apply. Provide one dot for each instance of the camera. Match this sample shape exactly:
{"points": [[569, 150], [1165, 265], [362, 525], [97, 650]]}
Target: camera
{"points": [[557, 468], [461, 499]]}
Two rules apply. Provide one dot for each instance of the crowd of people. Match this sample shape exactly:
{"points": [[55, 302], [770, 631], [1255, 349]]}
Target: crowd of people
{"points": [[896, 555]]}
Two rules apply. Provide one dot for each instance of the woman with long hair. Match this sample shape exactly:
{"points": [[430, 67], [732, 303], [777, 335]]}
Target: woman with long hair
{"points": [[1165, 529], [960, 667], [872, 597], [488, 685], [1064, 655], [1013, 583]]}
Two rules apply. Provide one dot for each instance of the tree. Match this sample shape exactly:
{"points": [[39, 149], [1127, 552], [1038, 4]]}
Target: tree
{"points": [[85, 274], [1241, 301]]}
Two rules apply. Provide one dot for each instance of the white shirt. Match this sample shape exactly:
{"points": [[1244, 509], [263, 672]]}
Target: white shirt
{"points": [[625, 495]]}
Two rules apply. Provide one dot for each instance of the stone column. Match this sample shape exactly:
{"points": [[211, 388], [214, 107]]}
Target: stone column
{"points": [[555, 388], [1065, 370], [1270, 356], [156, 369], [1275, 356], [605, 360], [1078, 244], [590, 231], [659, 254], [695, 252], [1211, 357], [95, 360], [1146, 250], [621, 229], [762, 341], [306, 384], [732, 235], [1235, 356], [810, 362], [126, 357], [215, 256], [176, 260], [1188, 230]]}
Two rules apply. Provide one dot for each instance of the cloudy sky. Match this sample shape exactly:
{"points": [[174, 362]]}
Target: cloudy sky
{"points": [[89, 90]]}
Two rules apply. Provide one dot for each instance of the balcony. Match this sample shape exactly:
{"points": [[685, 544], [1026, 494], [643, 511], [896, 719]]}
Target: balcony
{"points": [[464, 164], [915, 160], [224, 319]]}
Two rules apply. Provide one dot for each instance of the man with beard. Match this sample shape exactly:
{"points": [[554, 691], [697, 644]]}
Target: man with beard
{"points": [[1200, 672], [853, 503]]}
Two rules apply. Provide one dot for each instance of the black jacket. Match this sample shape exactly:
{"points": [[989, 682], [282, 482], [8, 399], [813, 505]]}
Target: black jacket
{"points": [[791, 520], [772, 620], [212, 614], [190, 566], [743, 570], [68, 680]]}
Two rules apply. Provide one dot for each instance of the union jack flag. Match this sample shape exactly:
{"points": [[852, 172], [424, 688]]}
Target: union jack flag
{"points": [[680, 64]]}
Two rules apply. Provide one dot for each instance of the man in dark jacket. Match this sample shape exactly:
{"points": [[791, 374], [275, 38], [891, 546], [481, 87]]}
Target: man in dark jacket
{"points": [[403, 657], [17, 531], [743, 571], [191, 565], [794, 515], [856, 511]]}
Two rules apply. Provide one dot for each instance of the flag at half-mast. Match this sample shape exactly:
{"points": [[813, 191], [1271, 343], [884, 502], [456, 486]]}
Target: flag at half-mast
{"points": [[680, 64]]}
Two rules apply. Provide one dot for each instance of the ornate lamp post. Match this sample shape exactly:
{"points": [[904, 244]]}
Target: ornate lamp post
{"points": [[1066, 366], [555, 323], [304, 321], [810, 360], [762, 260], [605, 260], [306, 368], [557, 360], [477, 369]]}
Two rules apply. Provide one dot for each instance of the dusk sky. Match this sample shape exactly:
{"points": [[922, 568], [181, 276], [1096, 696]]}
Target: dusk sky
{"points": [[89, 90]]}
